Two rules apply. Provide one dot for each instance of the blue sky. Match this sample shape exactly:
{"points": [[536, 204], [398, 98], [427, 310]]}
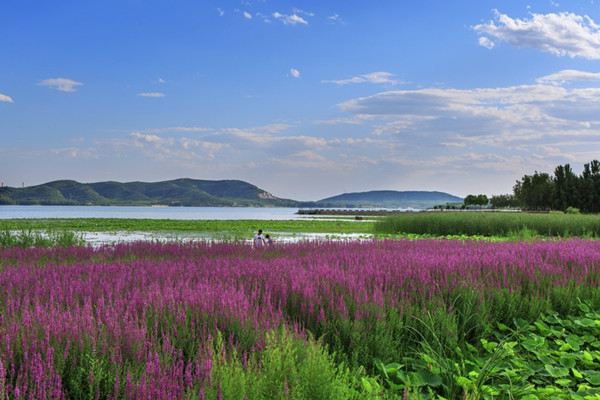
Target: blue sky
{"points": [[305, 99]]}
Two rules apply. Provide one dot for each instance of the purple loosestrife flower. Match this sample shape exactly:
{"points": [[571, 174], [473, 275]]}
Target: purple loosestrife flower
{"points": [[154, 308]]}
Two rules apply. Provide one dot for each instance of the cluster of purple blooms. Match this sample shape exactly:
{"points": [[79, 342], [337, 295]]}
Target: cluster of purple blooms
{"points": [[135, 304]]}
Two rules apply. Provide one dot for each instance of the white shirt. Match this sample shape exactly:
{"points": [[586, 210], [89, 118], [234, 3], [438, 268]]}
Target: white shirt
{"points": [[259, 241]]}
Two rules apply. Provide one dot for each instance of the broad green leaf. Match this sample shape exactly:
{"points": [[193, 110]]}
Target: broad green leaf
{"points": [[464, 382], [502, 327], [592, 377], [574, 341], [587, 357], [567, 360], [563, 382], [430, 379], [585, 322], [556, 372], [584, 307]]}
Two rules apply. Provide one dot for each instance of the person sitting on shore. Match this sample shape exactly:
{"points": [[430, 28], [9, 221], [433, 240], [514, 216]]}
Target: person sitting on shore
{"points": [[258, 241]]}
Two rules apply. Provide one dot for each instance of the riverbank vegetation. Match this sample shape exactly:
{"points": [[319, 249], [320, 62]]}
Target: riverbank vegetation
{"points": [[235, 228], [503, 224]]}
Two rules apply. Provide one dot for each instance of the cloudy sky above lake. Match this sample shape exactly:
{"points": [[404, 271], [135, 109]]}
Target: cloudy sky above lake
{"points": [[305, 99]]}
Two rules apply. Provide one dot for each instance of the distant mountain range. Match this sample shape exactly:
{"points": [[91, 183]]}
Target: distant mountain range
{"points": [[179, 192], [202, 193], [390, 199]]}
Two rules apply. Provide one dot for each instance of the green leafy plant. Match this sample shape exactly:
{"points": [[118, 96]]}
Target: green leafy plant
{"points": [[553, 358]]}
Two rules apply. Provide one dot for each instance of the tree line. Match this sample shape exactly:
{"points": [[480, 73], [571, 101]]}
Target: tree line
{"points": [[562, 191]]}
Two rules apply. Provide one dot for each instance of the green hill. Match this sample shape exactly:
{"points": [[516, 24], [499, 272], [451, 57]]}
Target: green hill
{"points": [[389, 199], [179, 192]]}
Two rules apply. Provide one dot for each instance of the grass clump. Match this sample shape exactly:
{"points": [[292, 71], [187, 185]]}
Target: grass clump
{"points": [[30, 238]]}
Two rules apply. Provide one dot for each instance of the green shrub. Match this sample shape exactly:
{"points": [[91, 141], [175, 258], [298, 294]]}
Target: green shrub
{"points": [[287, 368]]}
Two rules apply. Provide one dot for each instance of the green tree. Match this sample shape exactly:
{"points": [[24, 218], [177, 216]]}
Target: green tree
{"points": [[535, 192], [476, 200], [566, 188], [504, 201]]}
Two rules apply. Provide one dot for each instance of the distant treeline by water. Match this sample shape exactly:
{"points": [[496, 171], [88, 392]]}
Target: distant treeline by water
{"points": [[564, 190]]}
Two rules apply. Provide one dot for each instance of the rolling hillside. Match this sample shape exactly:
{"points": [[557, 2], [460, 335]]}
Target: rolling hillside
{"points": [[179, 192]]}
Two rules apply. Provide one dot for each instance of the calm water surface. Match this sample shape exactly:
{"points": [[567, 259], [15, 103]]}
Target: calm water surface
{"points": [[181, 213]]}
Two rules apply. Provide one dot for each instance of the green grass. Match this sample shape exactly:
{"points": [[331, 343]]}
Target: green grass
{"points": [[232, 227], [504, 224], [49, 238]]}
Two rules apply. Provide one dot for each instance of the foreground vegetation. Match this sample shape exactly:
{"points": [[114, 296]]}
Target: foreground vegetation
{"points": [[306, 321], [507, 224]]}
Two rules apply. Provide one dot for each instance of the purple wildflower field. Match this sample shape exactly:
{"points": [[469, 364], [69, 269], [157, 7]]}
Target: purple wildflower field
{"points": [[140, 320]]}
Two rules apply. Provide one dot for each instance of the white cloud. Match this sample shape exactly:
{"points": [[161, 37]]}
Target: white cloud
{"points": [[524, 115], [334, 18], [302, 12], [379, 78], [161, 81], [561, 34], [5, 99], [247, 15], [220, 11], [291, 19], [569, 75], [487, 43], [151, 94], [150, 138], [61, 84], [294, 73]]}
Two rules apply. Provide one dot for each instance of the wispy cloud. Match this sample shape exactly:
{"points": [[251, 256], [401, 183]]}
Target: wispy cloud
{"points": [[561, 34], [5, 99], [486, 42], [61, 84], [294, 73], [303, 12], [569, 75], [335, 18], [247, 15], [289, 19], [220, 11], [378, 78], [151, 94]]}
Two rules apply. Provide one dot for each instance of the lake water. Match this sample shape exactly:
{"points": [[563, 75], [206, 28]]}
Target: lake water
{"points": [[181, 213], [175, 213]]}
